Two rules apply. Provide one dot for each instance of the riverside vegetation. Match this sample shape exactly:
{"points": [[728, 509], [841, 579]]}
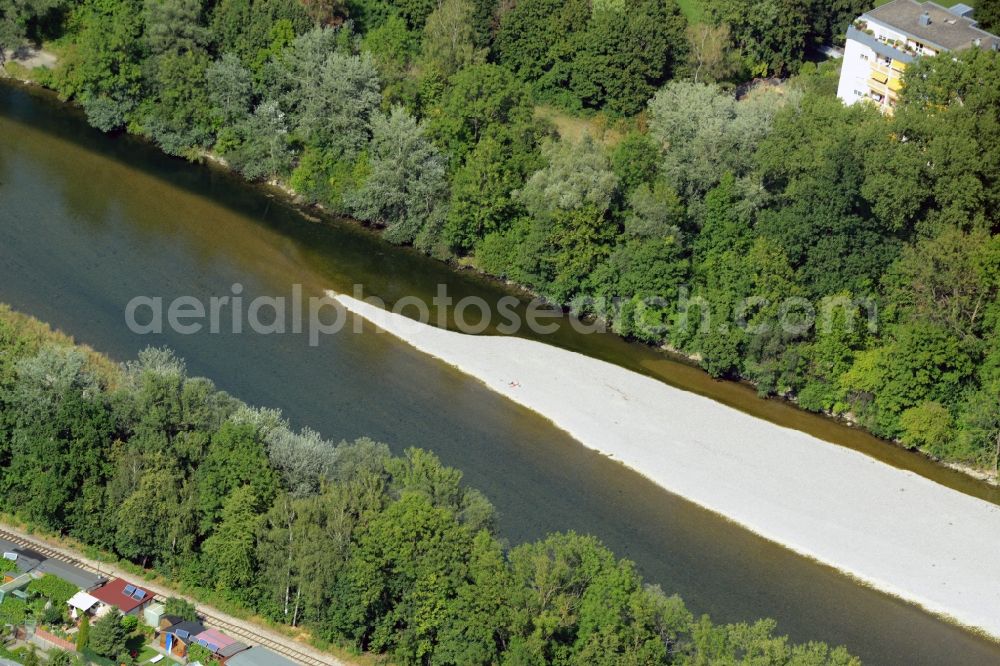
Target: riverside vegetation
{"points": [[392, 555], [422, 118]]}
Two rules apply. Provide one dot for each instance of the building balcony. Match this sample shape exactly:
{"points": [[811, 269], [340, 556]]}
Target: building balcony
{"points": [[887, 89]]}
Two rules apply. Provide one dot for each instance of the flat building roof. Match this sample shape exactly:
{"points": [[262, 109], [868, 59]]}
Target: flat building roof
{"points": [[940, 28]]}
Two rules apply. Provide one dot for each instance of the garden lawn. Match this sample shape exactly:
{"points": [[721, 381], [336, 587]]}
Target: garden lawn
{"points": [[148, 652]]}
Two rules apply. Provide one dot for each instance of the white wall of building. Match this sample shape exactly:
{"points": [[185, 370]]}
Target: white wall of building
{"points": [[854, 72]]}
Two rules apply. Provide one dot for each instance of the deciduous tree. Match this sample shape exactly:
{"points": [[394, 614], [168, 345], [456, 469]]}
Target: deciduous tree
{"points": [[449, 39], [407, 187], [709, 53], [230, 552], [174, 26]]}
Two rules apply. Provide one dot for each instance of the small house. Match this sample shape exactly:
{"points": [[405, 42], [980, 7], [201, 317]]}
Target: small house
{"points": [[178, 635], [130, 599], [220, 645]]}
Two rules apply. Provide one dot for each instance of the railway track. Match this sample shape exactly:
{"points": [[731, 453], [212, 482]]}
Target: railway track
{"points": [[245, 634], [47, 552]]}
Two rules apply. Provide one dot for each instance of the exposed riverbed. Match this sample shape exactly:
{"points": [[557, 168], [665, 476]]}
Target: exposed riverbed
{"points": [[826, 502], [88, 222]]}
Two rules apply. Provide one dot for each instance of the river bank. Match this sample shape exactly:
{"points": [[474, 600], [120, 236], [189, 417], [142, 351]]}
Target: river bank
{"points": [[890, 529], [91, 221], [284, 191]]}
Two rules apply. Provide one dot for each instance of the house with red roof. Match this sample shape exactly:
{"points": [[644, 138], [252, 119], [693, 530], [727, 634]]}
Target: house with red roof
{"points": [[128, 597]]}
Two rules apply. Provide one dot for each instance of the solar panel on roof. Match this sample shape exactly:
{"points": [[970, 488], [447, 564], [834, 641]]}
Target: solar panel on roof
{"points": [[182, 634], [129, 589], [139, 594]]}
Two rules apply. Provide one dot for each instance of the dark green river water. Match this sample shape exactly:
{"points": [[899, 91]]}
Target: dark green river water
{"points": [[87, 222]]}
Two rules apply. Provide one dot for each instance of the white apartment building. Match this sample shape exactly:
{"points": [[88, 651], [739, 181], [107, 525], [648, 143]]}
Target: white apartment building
{"points": [[883, 41]]}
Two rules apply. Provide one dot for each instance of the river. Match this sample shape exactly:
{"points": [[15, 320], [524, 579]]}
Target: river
{"points": [[87, 222]]}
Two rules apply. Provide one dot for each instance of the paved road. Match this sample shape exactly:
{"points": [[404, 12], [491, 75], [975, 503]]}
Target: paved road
{"points": [[247, 631]]}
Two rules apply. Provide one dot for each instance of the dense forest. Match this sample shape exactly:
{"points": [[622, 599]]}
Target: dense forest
{"points": [[390, 554], [444, 124]]}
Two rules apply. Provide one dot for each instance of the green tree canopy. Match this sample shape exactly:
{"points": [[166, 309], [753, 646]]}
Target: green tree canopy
{"points": [[107, 635], [407, 186]]}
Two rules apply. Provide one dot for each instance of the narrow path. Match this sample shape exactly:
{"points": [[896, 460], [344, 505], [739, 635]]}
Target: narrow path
{"points": [[247, 631], [30, 57]]}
